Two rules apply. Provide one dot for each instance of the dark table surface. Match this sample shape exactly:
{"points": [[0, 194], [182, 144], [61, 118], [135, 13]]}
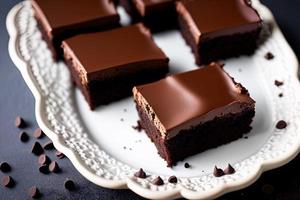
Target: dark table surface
{"points": [[16, 99]]}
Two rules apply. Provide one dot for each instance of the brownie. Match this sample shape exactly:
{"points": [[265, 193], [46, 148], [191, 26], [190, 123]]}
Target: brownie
{"points": [[219, 29], [191, 112], [61, 19], [106, 65], [158, 15]]}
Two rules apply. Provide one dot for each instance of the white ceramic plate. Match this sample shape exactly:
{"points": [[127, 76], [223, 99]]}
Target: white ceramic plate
{"points": [[105, 148]]}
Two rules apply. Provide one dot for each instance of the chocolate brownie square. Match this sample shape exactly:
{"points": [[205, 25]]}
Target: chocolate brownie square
{"points": [[219, 29], [106, 65], [61, 19], [158, 15], [191, 112]]}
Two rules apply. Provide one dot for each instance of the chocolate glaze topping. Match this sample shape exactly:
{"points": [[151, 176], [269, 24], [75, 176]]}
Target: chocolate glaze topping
{"points": [[183, 100], [113, 49], [215, 18], [58, 14]]}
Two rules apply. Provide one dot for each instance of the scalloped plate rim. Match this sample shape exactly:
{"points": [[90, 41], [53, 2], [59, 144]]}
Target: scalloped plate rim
{"points": [[128, 183]]}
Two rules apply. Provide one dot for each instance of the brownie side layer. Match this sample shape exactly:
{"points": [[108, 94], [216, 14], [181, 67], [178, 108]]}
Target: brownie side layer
{"points": [[197, 139], [229, 46], [221, 47], [104, 91]]}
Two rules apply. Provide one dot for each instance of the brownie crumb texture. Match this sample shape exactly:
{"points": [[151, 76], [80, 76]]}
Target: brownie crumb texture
{"points": [[278, 83], [138, 127], [281, 124], [269, 56], [187, 165]]}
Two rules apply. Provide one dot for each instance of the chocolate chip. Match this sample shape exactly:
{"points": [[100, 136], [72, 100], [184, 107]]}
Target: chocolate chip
{"points": [[278, 83], [37, 149], [218, 172], [44, 169], [140, 174], [187, 165], [59, 154], [229, 170], [158, 181], [138, 127], [281, 124], [44, 160], [269, 56], [53, 167], [34, 192], [172, 179], [19, 122], [8, 181], [246, 137], [69, 185], [38, 133], [24, 136], [280, 95], [5, 167], [48, 145]]}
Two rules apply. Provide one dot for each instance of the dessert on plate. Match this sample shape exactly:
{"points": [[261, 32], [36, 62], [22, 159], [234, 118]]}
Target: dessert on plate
{"points": [[219, 29], [183, 114], [106, 65], [187, 113], [61, 19]]}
